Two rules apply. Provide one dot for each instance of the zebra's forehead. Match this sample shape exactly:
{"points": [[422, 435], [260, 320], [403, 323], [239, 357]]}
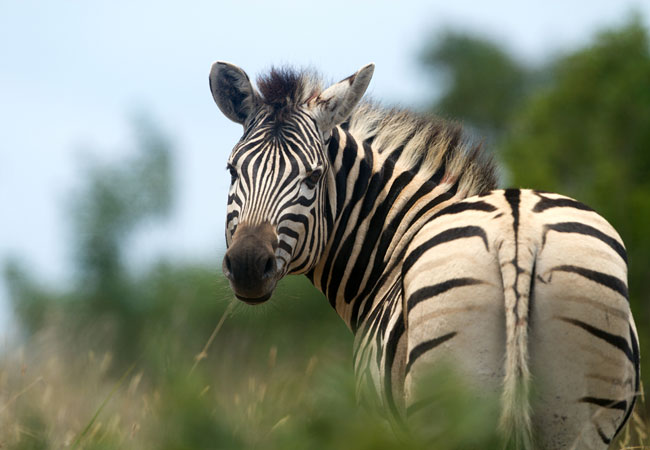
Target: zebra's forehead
{"points": [[273, 149], [293, 138]]}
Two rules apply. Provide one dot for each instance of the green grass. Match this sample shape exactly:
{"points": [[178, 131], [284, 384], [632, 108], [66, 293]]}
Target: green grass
{"points": [[207, 375]]}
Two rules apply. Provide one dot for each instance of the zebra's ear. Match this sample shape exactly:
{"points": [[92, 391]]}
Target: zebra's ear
{"points": [[335, 104], [232, 91]]}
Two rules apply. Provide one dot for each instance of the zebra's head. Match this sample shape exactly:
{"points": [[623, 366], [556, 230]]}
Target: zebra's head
{"points": [[281, 194]]}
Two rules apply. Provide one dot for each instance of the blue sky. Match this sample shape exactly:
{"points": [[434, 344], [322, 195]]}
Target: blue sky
{"points": [[72, 74]]}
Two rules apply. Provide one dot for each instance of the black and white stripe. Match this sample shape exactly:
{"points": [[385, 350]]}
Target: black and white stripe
{"points": [[426, 262]]}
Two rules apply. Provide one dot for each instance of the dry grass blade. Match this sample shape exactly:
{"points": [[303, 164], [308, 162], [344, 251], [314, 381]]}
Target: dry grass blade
{"points": [[204, 353], [17, 395], [80, 436]]}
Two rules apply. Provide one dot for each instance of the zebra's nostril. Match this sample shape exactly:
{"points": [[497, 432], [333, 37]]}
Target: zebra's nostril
{"points": [[227, 269], [269, 267]]}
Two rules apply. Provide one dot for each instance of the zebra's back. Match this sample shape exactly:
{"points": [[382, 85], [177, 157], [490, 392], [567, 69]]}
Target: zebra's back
{"points": [[518, 287]]}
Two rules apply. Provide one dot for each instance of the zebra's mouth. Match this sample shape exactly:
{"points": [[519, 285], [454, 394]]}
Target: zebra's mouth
{"points": [[250, 262], [255, 301]]}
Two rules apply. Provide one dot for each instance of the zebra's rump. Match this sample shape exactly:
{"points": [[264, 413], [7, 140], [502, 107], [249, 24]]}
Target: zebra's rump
{"points": [[536, 280]]}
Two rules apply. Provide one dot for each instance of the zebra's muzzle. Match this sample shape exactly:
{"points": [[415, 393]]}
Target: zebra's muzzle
{"points": [[249, 263]]}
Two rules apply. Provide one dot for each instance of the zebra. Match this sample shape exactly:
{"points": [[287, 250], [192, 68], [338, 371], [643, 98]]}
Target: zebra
{"points": [[396, 217]]}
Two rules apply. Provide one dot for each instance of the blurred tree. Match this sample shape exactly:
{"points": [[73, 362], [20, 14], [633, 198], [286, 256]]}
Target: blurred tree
{"points": [[482, 83], [587, 135], [580, 126], [166, 304], [113, 202], [31, 301]]}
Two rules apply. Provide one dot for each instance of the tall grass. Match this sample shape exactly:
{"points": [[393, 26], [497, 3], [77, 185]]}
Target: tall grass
{"points": [[220, 377]]}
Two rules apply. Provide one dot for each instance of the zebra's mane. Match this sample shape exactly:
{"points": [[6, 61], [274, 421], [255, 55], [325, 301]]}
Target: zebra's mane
{"points": [[425, 143], [285, 88]]}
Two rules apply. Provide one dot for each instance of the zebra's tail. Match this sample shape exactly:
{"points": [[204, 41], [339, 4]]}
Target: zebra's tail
{"points": [[517, 273]]}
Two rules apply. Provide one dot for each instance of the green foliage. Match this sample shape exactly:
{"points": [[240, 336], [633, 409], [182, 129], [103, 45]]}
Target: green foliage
{"points": [[453, 415], [587, 135], [579, 126], [114, 201], [482, 82], [32, 302]]}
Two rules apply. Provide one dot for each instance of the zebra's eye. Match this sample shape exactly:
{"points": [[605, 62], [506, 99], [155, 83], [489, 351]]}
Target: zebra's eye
{"points": [[312, 178], [233, 173]]}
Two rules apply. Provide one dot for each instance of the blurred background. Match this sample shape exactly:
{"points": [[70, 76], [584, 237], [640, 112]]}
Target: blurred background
{"points": [[117, 329]]}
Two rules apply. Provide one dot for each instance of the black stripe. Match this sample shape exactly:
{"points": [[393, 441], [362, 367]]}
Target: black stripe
{"points": [[389, 305], [372, 239], [388, 296], [369, 329], [343, 213], [391, 349], [513, 197], [295, 218], [637, 358], [610, 281], [387, 234], [423, 347], [357, 319], [288, 232], [347, 163], [581, 228], [546, 203], [446, 236], [531, 296], [603, 436], [286, 247], [368, 201], [605, 402], [456, 208], [637, 386], [383, 320], [437, 289], [617, 341], [436, 201]]}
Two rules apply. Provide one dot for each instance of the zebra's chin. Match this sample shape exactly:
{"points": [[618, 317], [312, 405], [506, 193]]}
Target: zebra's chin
{"points": [[255, 301]]}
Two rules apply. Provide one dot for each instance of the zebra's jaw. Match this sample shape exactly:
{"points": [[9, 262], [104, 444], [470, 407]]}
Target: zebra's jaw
{"points": [[250, 263]]}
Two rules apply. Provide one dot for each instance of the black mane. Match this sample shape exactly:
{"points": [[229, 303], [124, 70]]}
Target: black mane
{"points": [[283, 89], [280, 86]]}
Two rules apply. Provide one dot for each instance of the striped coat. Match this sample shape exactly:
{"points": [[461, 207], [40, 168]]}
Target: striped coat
{"points": [[394, 217]]}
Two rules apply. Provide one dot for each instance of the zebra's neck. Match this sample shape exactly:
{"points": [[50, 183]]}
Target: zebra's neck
{"points": [[379, 198]]}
